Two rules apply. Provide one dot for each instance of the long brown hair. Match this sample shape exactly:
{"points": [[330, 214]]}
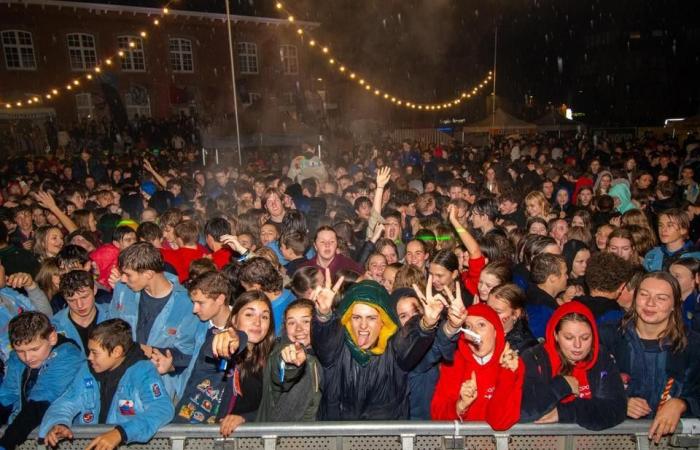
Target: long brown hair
{"points": [[253, 361], [674, 334]]}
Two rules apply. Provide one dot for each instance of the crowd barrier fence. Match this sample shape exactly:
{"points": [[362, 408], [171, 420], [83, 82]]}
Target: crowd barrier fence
{"points": [[403, 435]]}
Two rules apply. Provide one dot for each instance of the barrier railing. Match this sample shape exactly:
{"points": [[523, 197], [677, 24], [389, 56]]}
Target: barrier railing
{"points": [[402, 435]]}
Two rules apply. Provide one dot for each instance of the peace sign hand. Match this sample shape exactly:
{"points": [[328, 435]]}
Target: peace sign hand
{"points": [[432, 304], [457, 313], [323, 296]]}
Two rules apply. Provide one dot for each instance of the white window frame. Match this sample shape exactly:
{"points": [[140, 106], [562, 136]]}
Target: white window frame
{"points": [[247, 58], [134, 59], [132, 108], [23, 57], [84, 106], [252, 98], [180, 55], [82, 52], [289, 54]]}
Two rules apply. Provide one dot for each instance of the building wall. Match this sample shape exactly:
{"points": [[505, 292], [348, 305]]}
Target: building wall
{"points": [[207, 89]]}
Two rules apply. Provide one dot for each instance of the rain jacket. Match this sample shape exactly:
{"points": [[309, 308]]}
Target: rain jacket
{"points": [[26, 394], [367, 385], [600, 401], [175, 327], [66, 327], [140, 405], [498, 389], [622, 192], [658, 257], [646, 369]]}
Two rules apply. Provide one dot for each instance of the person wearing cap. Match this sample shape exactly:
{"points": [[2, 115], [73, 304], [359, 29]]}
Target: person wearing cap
{"points": [[485, 380], [365, 352]]}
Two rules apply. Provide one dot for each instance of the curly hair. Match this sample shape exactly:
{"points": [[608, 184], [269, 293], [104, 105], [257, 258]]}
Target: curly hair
{"points": [[260, 271]]}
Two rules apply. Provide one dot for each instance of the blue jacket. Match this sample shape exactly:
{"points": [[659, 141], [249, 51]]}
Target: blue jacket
{"points": [[658, 257], [55, 375], [17, 303], [175, 327], [423, 378], [65, 326], [140, 405], [647, 370]]}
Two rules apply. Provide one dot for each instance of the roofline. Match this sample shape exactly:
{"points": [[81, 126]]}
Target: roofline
{"points": [[159, 12]]}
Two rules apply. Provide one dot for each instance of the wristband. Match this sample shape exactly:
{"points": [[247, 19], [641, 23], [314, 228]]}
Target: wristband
{"points": [[461, 230]]}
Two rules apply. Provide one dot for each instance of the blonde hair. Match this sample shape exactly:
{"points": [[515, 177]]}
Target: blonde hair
{"points": [[538, 196]]}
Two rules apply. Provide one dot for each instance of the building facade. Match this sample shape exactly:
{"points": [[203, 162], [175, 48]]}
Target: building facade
{"points": [[150, 63]]}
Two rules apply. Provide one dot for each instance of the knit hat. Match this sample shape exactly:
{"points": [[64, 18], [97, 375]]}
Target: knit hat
{"points": [[372, 294]]}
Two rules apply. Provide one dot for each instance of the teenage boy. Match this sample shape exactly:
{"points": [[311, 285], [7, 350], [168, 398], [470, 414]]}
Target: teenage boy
{"points": [[83, 314], [208, 387], [293, 245], [157, 307], [119, 387], [39, 370], [214, 230]]}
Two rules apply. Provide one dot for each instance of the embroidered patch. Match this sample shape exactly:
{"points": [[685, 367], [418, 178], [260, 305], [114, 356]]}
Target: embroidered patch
{"points": [[187, 411], [126, 408], [172, 331], [198, 417], [206, 405], [89, 383], [155, 388], [88, 417]]}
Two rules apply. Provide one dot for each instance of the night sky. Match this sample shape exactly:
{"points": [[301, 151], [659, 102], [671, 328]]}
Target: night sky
{"points": [[615, 62]]}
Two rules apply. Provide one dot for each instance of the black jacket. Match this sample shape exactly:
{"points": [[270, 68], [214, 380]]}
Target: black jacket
{"points": [[542, 393], [520, 337], [377, 390]]}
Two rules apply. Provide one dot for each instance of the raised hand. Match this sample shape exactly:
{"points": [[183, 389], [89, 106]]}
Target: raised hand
{"points": [[383, 177], [294, 354], [457, 312], [45, 200], [509, 358], [432, 304], [20, 280], [323, 296], [233, 242], [467, 393]]}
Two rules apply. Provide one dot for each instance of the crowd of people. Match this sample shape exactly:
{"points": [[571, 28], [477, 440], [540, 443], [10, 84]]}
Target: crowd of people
{"points": [[538, 280]]}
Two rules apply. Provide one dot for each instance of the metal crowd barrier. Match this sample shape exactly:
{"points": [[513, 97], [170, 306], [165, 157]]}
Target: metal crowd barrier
{"points": [[404, 435]]}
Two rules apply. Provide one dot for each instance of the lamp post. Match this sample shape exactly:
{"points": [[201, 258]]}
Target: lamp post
{"points": [[233, 82]]}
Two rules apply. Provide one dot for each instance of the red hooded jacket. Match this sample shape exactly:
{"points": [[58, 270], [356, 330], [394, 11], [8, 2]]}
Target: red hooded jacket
{"points": [[499, 390]]}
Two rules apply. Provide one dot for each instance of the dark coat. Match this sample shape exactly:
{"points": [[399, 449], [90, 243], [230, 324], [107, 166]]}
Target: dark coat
{"points": [[377, 390], [520, 337], [647, 368]]}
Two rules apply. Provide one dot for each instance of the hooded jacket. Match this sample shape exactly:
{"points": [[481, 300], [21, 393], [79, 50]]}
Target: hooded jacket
{"points": [[622, 192], [372, 384], [600, 401], [498, 389]]}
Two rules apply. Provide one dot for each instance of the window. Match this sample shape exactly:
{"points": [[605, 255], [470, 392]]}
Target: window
{"points": [[134, 59], [19, 50], [181, 55], [83, 103], [253, 97], [81, 51], [290, 61], [248, 57], [137, 102]]}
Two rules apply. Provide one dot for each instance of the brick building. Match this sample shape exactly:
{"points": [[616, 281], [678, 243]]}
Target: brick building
{"points": [[181, 65]]}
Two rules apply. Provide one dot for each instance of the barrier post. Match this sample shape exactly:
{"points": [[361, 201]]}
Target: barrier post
{"points": [[502, 440], [407, 441]]}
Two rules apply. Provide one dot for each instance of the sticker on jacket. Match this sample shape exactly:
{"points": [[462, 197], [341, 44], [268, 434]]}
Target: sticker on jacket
{"points": [[88, 417], [126, 408]]}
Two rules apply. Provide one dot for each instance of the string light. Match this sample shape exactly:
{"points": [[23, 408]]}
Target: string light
{"points": [[344, 70]]}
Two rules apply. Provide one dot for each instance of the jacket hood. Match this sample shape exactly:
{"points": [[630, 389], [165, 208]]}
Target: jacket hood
{"points": [[580, 184], [485, 311], [571, 248], [622, 192], [372, 294], [550, 343]]}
